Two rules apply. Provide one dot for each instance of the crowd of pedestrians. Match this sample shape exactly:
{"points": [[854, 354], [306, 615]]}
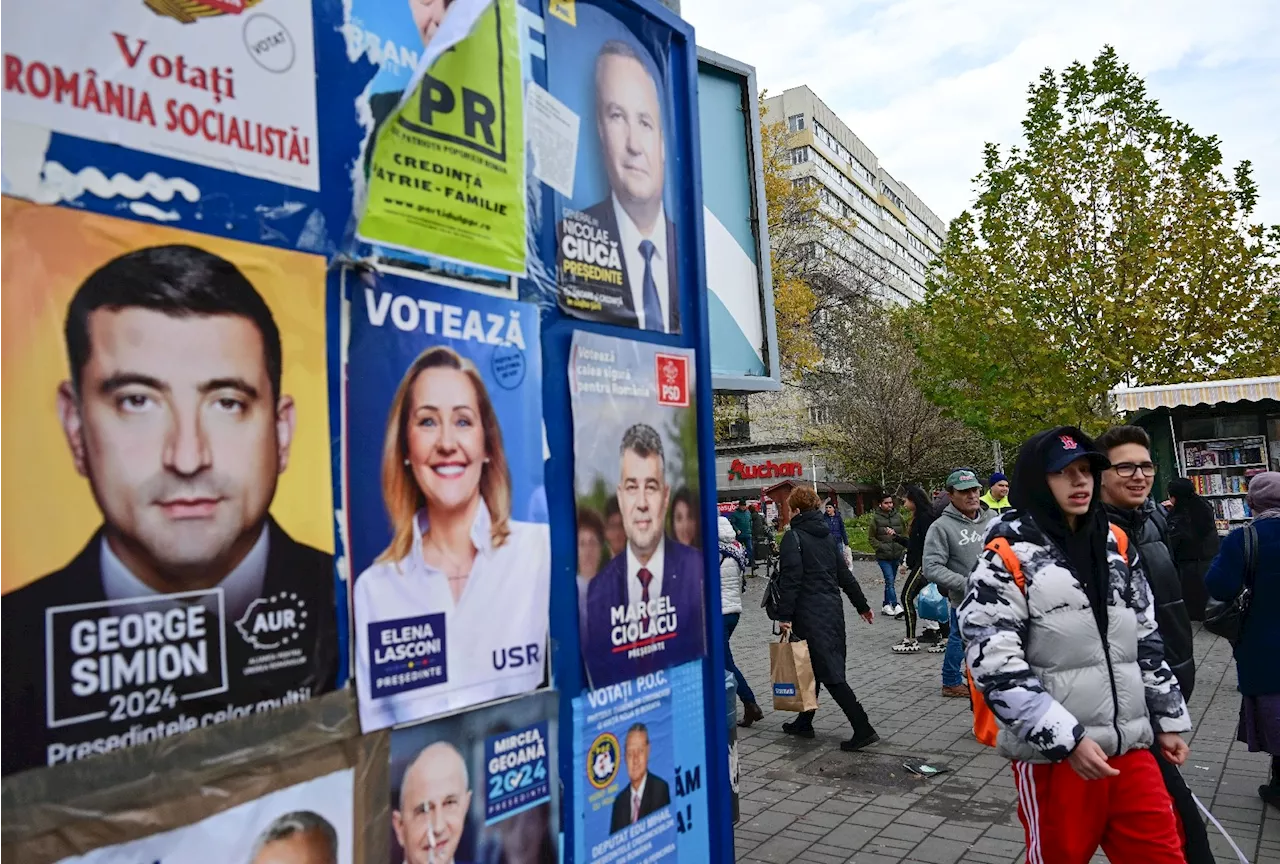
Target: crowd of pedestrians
{"points": [[1072, 593]]}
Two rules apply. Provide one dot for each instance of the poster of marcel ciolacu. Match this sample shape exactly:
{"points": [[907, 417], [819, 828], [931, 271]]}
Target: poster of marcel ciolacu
{"points": [[635, 447], [446, 508]]}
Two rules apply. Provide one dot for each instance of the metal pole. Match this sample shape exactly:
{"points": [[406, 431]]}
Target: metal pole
{"points": [[998, 453], [813, 466]]}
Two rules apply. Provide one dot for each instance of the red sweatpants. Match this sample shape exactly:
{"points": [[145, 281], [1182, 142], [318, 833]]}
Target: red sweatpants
{"points": [[1067, 817]]}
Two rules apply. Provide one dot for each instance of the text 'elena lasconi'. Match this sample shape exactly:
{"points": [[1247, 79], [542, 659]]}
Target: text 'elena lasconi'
{"points": [[441, 319]]}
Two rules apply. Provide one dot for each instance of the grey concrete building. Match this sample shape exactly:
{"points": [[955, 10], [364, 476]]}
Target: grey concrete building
{"points": [[893, 224]]}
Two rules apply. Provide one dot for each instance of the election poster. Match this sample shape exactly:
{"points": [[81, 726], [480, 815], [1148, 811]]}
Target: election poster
{"points": [[640, 793], [168, 555], [635, 444], [478, 786], [310, 823], [444, 161], [618, 231], [229, 84], [446, 507]]}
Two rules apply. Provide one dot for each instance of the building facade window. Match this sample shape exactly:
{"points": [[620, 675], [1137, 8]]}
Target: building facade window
{"points": [[799, 155], [819, 415], [843, 154], [795, 123]]}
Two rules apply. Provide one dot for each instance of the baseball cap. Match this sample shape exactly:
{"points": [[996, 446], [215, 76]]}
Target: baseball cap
{"points": [[962, 479], [1065, 448]]}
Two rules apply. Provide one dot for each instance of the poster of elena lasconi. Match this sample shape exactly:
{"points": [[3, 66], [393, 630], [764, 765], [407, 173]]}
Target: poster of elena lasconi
{"points": [[446, 509]]}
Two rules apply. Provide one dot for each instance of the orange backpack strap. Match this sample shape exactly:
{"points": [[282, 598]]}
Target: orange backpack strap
{"points": [[1122, 540], [985, 727], [1001, 547]]}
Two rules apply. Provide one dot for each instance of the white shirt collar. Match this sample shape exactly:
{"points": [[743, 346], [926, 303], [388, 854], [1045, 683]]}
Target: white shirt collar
{"points": [[655, 567], [481, 532], [630, 237], [638, 794], [240, 587]]}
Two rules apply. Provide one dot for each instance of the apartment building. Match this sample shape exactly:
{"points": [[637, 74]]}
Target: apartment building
{"points": [[899, 233], [892, 223]]}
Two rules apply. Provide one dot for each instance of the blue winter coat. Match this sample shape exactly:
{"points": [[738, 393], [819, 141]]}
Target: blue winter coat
{"points": [[1260, 643]]}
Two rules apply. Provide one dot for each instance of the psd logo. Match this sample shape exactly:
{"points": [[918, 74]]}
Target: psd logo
{"points": [[273, 622], [191, 11], [673, 380], [603, 760]]}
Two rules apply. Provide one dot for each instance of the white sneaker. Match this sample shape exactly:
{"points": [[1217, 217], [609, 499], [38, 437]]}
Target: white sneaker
{"points": [[898, 610], [887, 609]]}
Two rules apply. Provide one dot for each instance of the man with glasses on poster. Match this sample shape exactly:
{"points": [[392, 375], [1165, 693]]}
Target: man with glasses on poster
{"points": [[1126, 495]]}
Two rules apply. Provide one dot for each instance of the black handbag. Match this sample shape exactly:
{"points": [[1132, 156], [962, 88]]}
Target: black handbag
{"points": [[1227, 619]]}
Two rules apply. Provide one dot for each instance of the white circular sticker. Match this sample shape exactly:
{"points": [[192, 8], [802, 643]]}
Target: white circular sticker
{"points": [[269, 43]]}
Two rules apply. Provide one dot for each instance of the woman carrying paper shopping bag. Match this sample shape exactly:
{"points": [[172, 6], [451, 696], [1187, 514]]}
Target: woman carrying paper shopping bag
{"points": [[812, 575]]}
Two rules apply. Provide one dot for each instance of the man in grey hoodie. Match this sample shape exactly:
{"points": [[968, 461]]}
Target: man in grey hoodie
{"points": [[950, 552]]}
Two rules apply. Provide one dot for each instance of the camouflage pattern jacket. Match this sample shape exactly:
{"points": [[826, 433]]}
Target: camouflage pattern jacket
{"points": [[1041, 661]]}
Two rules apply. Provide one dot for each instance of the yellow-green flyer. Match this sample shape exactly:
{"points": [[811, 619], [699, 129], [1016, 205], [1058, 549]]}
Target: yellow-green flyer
{"points": [[447, 172]]}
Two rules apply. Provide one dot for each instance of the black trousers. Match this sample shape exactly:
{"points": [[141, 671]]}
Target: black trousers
{"points": [[849, 704], [915, 584], [1197, 848]]}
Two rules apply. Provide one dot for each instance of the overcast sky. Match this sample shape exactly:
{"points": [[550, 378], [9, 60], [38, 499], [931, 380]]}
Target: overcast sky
{"points": [[926, 82]]}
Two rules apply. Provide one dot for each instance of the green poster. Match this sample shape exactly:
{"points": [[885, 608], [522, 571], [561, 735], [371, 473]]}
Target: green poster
{"points": [[447, 173]]}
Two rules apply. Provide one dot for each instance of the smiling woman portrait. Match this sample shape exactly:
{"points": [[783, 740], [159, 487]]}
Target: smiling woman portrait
{"points": [[454, 552]]}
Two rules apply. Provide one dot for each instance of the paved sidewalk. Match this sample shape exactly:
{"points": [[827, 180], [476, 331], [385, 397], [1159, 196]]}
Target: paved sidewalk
{"points": [[808, 802]]}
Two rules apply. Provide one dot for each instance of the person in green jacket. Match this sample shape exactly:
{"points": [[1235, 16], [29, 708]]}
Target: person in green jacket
{"points": [[887, 534], [997, 497], [740, 519]]}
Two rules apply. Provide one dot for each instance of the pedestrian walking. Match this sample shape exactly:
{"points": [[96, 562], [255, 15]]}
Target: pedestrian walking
{"points": [[1193, 540], [1080, 687], [740, 519], [1259, 643], [951, 549], [1126, 491], [835, 525], [887, 535], [761, 536], [810, 580], [921, 510], [733, 563], [997, 497]]}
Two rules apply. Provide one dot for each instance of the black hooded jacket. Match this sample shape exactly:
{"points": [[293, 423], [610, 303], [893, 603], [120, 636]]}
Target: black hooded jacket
{"points": [[1146, 528], [1086, 547]]}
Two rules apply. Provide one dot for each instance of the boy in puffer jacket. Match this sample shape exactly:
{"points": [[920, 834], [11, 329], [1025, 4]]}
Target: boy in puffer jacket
{"points": [[1063, 646]]}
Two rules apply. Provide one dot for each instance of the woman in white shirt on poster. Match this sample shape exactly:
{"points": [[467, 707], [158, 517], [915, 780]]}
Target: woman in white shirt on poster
{"points": [[454, 551]]}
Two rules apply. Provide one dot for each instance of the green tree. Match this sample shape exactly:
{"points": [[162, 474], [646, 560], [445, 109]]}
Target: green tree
{"points": [[1109, 247]]}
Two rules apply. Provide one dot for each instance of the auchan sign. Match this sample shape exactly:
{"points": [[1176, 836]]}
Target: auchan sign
{"points": [[769, 470]]}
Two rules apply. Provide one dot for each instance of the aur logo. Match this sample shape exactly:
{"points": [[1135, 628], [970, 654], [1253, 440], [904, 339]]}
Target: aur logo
{"points": [[603, 760], [273, 622], [673, 380], [191, 11]]}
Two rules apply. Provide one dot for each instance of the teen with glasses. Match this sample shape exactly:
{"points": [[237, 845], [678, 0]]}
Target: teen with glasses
{"points": [[1126, 497]]}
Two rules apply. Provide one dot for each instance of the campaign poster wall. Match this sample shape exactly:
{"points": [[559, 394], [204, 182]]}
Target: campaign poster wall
{"points": [[479, 786], [310, 822], [445, 167], [639, 791], [229, 84], [618, 232], [635, 445], [167, 511], [446, 507]]}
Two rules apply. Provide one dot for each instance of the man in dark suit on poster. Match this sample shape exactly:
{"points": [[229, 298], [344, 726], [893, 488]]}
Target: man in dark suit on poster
{"points": [[624, 247], [644, 609], [189, 602], [645, 793]]}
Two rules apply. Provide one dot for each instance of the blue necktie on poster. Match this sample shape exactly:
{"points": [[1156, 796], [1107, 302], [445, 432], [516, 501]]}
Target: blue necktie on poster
{"points": [[652, 308]]}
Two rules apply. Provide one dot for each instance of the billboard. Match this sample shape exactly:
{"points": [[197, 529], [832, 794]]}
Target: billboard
{"points": [[744, 353]]}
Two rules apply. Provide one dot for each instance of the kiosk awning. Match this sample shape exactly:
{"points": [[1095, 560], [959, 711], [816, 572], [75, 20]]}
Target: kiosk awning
{"points": [[1197, 393]]}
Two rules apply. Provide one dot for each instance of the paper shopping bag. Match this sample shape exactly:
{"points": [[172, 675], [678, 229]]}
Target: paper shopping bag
{"points": [[794, 687]]}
